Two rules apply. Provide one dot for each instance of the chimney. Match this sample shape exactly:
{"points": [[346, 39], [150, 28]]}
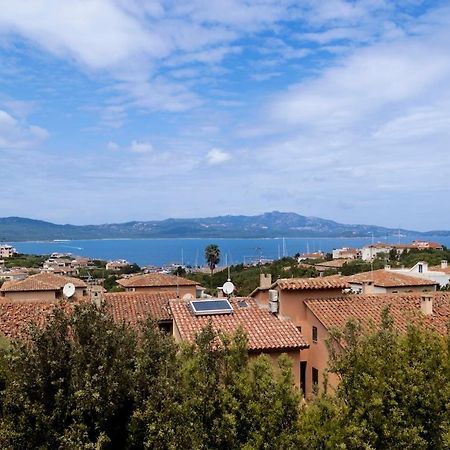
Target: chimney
{"points": [[426, 305], [367, 287], [265, 280], [444, 264], [387, 267]]}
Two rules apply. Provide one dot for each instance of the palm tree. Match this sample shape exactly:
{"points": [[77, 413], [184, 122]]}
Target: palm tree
{"points": [[212, 256]]}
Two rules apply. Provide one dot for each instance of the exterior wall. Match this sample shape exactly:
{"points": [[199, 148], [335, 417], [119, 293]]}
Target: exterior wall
{"points": [[183, 290], [368, 253], [262, 297], [292, 306], [291, 303], [317, 355], [37, 296], [294, 355]]}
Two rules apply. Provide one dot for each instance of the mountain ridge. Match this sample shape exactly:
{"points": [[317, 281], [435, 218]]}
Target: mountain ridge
{"points": [[265, 225]]}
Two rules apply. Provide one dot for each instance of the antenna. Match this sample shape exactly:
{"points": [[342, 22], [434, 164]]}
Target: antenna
{"points": [[228, 288], [69, 290]]}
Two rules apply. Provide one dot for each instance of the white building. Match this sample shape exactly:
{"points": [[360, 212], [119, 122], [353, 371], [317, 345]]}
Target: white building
{"points": [[6, 251], [369, 252], [439, 274]]}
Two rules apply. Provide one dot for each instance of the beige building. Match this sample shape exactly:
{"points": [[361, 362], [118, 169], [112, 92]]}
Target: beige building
{"points": [[6, 251], [384, 281], [158, 282], [266, 333], [43, 287]]}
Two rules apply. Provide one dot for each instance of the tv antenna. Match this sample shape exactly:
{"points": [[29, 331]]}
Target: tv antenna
{"points": [[69, 290]]}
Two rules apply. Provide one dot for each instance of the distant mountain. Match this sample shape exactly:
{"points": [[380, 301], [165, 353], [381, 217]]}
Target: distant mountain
{"points": [[272, 224]]}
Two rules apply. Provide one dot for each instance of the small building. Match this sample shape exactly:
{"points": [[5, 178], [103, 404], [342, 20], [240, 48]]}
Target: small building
{"points": [[346, 253], [335, 264], [118, 265], [43, 287], [384, 281], [266, 333], [157, 282], [7, 251], [439, 274], [314, 255], [370, 252]]}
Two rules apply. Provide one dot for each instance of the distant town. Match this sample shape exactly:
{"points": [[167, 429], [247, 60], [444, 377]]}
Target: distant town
{"points": [[307, 295]]}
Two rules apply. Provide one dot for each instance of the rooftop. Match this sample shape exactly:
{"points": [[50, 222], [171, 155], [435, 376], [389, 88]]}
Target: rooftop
{"points": [[155, 280], [387, 278], [293, 284], [41, 282], [264, 330], [367, 309], [133, 307], [16, 318]]}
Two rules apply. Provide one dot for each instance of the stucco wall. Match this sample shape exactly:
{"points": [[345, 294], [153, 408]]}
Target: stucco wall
{"points": [[38, 296]]}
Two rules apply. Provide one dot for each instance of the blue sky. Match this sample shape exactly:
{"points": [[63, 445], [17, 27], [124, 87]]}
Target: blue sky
{"points": [[115, 110]]}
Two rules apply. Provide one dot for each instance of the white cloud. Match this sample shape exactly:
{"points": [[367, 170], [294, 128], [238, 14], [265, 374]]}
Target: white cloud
{"points": [[15, 134], [217, 156], [141, 147]]}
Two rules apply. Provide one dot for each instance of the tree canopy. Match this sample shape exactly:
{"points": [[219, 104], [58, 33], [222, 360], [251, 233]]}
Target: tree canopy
{"points": [[212, 256]]}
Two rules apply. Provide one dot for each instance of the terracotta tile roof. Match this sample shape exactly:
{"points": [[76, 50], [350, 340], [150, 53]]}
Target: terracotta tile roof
{"points": [[404, 309], [387, 278], [15, 318], [155, 280], [264, 330], [293, 284], [133, 307], [333, 264], [41, 282], [440, 269]]}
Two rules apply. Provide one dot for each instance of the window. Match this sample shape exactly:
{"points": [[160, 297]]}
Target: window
{"points": [[420, 268], [315, 376], [314, 334], [299, 329]]}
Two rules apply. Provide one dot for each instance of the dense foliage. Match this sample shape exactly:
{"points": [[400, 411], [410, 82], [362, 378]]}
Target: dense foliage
{"points": [[24, 260], [246, 278], [84, 382]]}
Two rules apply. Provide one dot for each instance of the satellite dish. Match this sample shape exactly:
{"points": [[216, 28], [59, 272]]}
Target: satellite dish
{"points": [[228, 288], [69, 290]]}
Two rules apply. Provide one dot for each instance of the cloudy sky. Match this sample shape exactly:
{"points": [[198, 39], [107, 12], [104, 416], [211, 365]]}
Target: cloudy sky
{"points": [[115, 110]]}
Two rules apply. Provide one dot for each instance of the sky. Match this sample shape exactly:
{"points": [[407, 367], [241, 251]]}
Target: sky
{"points": [[119, 110]]}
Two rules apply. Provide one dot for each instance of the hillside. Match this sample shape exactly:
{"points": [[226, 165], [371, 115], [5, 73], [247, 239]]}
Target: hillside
{"points": [[272, 224]]}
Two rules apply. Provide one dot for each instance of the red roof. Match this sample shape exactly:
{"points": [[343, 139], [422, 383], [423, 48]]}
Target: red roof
{"points": [[155, 280], [404, 309], [387, 278], [264, 330], [41, 282], [293, 284], [15, 318], [133, 307]]}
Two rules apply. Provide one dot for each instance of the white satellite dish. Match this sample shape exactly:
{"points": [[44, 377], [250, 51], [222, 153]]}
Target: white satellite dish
{"points": [[228, 288], [69, 290]]}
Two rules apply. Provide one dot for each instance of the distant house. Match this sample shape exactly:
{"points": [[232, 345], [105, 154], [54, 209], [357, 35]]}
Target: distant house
{"points": [[315, 255], [266, 333], [370, 252], [117, 265], [41, 287], [157, 282], [385, 281], [346, 253], [439, 274], [334, 264], [6, 251]]}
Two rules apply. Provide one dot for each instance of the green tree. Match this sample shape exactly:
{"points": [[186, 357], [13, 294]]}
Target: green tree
{"points": [[212, 256]]}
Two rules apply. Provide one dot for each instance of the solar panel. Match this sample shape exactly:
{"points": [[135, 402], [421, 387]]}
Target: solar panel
{"points": [[205, 307]]}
